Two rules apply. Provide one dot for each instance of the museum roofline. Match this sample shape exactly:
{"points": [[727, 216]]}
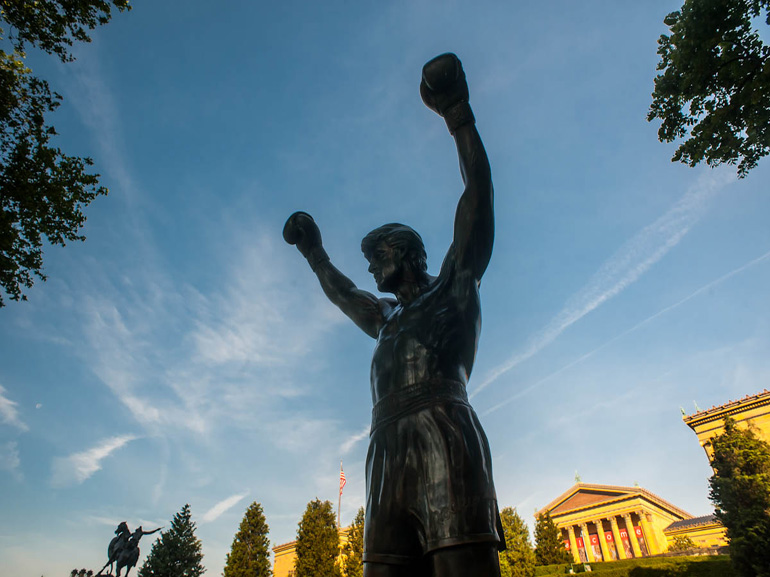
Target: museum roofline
{"points": [[694, 522], [623, 493], [729, 408], [283, 546]]}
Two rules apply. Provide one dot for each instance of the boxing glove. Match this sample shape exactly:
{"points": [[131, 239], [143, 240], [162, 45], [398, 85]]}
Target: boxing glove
{"points": [[301, 230], [445, 91]]}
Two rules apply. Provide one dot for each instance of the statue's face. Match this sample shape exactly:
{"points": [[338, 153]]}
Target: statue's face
{"points": [[385, 264]]}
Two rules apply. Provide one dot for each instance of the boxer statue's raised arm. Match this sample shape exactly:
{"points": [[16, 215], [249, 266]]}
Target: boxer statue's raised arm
{"points": [[445, 91], [362, 307], [431, 507]]}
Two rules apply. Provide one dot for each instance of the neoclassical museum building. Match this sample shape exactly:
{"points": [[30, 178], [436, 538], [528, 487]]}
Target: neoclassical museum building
{"points": [[608, 522]]}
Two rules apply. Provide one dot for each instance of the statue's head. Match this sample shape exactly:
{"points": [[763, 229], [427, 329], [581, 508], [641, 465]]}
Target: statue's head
{"points": [[122, 528], [389, 249]]}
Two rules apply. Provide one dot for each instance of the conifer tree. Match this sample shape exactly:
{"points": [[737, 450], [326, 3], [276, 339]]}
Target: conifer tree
{"points": [[353, 550], [318, 543], [740, 491], [549, 547], [178, 551], [250, 553], [518, 560]]}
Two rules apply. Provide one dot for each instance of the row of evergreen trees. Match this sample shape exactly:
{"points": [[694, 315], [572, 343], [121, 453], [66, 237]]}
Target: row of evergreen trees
{"points": [[740, 491], [177, 553]]}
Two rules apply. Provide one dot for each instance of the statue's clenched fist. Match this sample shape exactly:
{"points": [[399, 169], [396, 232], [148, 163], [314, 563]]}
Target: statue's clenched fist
{"points": [[443, 83], [301, 230]]}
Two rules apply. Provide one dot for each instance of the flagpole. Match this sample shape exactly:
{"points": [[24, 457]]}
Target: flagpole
{"points": [[339, 503]]}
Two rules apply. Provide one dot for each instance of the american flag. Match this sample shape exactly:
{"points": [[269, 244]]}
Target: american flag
{"points": [[342, 479]]}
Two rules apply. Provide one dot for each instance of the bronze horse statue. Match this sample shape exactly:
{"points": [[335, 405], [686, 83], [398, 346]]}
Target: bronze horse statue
{"points": [[117, 544], [123, 550]]}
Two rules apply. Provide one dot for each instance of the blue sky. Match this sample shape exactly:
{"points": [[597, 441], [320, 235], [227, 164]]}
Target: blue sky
{"points": [[185, 354]]}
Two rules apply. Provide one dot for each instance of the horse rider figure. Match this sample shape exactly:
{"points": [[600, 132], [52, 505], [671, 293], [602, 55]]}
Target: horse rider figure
{"points": [[123, 550]]}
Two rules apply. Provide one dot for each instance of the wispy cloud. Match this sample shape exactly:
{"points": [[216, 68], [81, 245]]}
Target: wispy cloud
{"points": [[101, 520], [92, 98], [235, 349], [9, 459], [622, 269], [351, 441], [223, 506], [78, 467], [627, 332], [9, 413]]}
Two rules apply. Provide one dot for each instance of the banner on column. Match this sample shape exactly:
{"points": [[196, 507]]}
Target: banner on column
{"points": [[597, 549], [567, 545], [581, 550], [626, 543], [640, 538], [611, 545]]}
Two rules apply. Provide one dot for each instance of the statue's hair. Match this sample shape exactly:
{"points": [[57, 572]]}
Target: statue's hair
{"points": [[398, 236]]}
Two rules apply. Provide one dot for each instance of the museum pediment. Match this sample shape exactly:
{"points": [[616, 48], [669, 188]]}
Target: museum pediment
{"points": [[579, 497], [584, 495]]}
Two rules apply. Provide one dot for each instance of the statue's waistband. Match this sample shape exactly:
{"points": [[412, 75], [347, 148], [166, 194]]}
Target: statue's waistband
{"points": [[415, 397]]}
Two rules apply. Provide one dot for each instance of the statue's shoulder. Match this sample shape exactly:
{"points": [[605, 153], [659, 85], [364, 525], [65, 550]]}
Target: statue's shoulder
{"points": [[387, 306]]}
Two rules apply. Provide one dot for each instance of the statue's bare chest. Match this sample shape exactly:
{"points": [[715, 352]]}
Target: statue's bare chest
{"points": [[428, 339]]}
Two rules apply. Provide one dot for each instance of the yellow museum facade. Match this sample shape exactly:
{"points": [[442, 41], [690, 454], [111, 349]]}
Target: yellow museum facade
{"points": [[609, 522], [284, 555], [606, 522], [752, 411]]}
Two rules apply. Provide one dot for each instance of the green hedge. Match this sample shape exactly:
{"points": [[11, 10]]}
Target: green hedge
{"points": [[702, 566]]}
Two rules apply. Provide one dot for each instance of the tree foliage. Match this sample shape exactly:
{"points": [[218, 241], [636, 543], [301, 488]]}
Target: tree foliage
{"points": [[549, 545], [318, 542], [740, 491], [178, 551], [682, 543], [353, 550], [250, 553], [518, 560], [42, 189], [715, 83]]}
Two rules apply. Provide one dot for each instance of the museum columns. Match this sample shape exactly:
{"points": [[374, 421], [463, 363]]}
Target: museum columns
{"points": [[573, 544], [616, 536], [602, 540], [649, 535], [587, 547], [632, 535]]}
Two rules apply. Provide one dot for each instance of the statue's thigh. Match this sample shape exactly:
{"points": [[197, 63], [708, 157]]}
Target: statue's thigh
{"points": [[478, 560], [388, 570]]}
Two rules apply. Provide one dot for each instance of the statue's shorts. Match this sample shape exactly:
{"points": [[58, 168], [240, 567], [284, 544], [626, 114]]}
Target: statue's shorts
{"points": [[428, 476]]}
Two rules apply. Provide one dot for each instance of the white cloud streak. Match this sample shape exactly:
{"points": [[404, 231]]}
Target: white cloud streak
{"points": [[351, 441], [9, 459], [9, 413], [78, 467], [622, 269], [222, 507], [627, 332]]}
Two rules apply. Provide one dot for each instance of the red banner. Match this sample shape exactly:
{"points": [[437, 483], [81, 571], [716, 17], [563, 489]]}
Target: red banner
{"points": [[567, 545], [579, 541], [626, 543], [642, 543], [611, 544]]}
